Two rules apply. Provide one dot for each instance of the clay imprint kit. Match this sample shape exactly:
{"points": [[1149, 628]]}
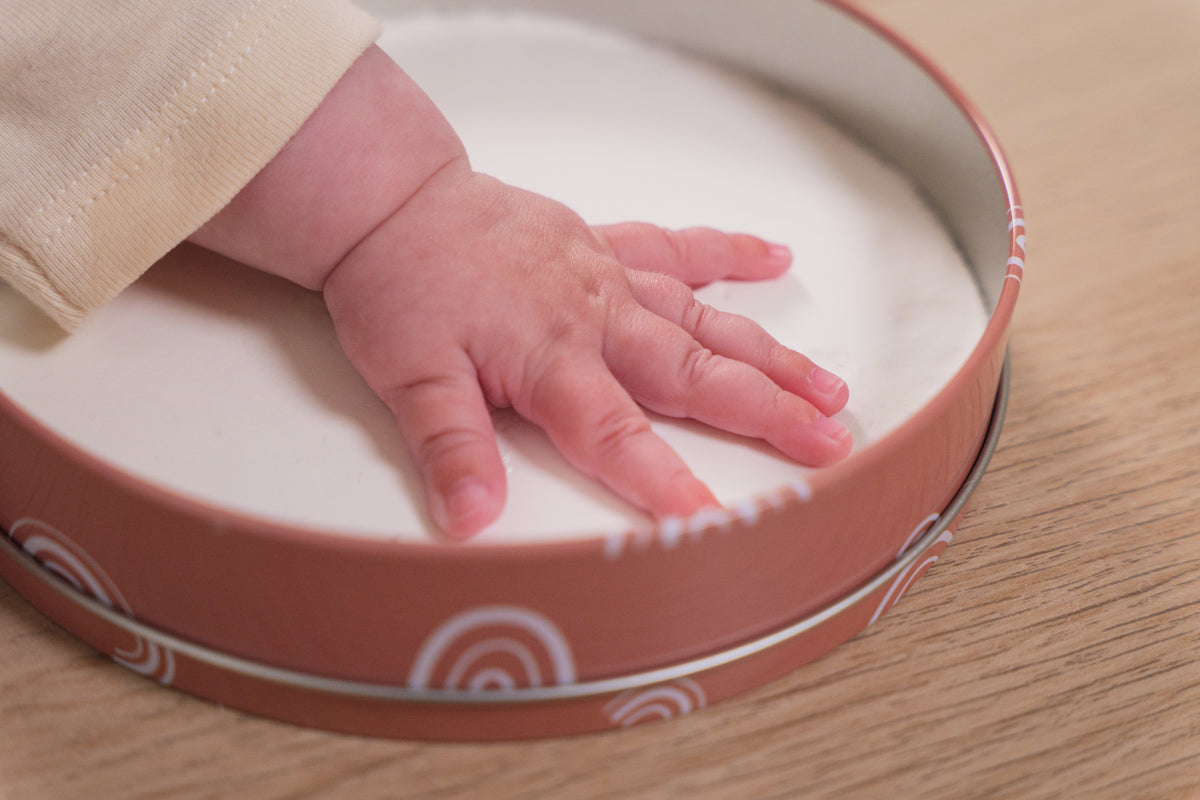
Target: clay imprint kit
{"points": [[500, 640]]}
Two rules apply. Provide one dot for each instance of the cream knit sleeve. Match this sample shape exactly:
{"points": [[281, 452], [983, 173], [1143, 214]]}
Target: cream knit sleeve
{"points": [[124, 126]]}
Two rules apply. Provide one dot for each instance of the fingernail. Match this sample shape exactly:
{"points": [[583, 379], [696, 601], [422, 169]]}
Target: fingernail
{"points": [[779, 255], [825, 381], [831, 429], [461, 503]]}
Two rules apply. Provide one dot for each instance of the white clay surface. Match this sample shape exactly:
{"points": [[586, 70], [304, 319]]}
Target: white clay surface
{"points": [[228, 386]]}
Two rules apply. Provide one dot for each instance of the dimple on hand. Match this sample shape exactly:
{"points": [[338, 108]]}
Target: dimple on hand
{"points": [[476, 295]]}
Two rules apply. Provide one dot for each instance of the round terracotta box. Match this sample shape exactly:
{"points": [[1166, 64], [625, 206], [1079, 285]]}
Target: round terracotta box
{"points": [[440, 641]]}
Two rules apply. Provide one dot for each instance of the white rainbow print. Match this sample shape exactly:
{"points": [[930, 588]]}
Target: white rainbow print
{"points": [[922, 526], [493, 648], [672, 530], [662, 702], [908, 576], [1016, 227], [61, 556]]}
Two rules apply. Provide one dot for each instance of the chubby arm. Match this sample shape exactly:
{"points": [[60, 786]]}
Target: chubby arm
{"points": [[452, 292]]}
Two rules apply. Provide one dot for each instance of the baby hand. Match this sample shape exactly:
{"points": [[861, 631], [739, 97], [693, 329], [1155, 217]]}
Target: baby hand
{"points": [[452, 293], [475, 295]]}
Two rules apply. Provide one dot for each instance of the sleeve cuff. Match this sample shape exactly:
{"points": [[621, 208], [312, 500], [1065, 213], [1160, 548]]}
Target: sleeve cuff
{"points": [[236, 110]]}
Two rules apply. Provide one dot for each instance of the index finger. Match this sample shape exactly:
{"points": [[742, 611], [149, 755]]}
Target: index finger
{"points": [[600, 430]]}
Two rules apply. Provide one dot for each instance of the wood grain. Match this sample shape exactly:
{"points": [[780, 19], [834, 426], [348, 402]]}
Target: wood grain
{"points": [[1055, 649]]}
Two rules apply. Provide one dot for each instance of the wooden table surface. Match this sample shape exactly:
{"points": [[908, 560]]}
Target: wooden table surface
{"points": [[1055, 649]]}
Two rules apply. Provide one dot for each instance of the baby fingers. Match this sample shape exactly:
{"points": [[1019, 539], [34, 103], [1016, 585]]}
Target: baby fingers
{"points": [[740, 339], [446, 425], [669, 371], [599, 429], [695, 256]]}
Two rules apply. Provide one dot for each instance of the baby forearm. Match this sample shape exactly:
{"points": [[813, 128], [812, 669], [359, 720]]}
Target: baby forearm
{"points": [[372, 143]]}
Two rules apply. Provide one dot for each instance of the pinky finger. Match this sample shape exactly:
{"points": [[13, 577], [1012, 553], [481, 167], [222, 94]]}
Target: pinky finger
{"points": [[695, 256]]}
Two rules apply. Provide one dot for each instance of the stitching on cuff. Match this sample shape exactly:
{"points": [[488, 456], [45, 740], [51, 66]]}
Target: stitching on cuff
{"points": [[179, 89], [170, 135]]}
